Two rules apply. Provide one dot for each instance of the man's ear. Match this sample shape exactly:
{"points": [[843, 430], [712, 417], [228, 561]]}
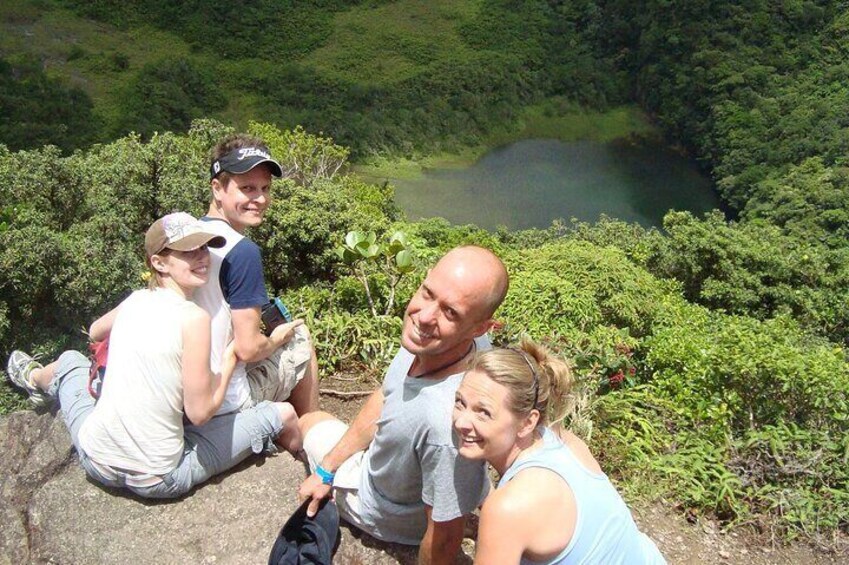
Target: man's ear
{"points": [[217, 189], [483, 327]]}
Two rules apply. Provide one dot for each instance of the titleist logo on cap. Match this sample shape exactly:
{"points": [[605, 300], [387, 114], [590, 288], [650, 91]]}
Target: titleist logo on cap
{"points": [[242, 159], [252, 152]]}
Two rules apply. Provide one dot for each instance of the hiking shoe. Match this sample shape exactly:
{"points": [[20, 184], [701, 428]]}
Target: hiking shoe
{"points": [[19, 369]]}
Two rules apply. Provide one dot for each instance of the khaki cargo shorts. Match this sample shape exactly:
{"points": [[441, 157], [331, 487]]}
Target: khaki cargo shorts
{"points": [[274, 378]]}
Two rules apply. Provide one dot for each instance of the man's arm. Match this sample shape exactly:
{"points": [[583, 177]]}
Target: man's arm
{"points": [[250, 343], [243, 285], [357, 438], [359, 435], [442, 540]]}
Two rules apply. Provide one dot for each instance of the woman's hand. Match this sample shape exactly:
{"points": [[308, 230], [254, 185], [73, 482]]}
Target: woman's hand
{"points": [[101, 328]]}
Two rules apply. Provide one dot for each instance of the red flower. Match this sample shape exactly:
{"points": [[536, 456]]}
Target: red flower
{"points": [[616, 379]]}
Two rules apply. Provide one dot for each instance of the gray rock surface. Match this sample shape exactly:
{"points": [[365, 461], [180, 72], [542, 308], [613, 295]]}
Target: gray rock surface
{"points": [[51, 512]]}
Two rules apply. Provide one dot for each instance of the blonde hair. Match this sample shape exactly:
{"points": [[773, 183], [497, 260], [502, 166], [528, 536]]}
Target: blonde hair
{"points": [[535, 379]]}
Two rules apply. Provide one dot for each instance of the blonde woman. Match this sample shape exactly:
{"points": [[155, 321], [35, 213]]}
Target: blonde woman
{"points": [[553, 503], [157, 374]]}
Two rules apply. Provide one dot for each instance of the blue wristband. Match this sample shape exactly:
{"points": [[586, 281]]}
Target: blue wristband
{"points": [[326, 476]]}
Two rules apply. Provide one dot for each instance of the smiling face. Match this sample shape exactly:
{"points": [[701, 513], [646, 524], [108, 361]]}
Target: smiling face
{"points": [[187, 269], [242, 200], [485, 426], [448, 310]]}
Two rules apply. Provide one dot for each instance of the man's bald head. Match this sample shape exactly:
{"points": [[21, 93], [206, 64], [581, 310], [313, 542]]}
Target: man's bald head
{"points": [[483, 265]]}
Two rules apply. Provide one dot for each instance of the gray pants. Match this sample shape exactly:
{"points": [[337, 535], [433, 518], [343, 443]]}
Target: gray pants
{"points": [[209, 449]]}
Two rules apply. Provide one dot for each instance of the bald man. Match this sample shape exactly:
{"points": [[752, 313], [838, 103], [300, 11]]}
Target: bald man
{"points": [[395, 472]]}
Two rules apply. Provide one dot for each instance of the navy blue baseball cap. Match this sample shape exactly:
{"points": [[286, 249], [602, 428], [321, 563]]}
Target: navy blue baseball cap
{"points": [[308, 541], [240, 161]]}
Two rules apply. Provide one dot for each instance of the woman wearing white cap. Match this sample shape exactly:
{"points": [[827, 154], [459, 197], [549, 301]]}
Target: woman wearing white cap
{"points": [[158, 372]]}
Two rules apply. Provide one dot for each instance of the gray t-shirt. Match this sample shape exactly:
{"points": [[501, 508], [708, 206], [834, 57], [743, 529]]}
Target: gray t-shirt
{"points": [[413, 459]]}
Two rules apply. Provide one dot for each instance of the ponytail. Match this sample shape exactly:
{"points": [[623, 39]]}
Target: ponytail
{"points": [[535, 379]]}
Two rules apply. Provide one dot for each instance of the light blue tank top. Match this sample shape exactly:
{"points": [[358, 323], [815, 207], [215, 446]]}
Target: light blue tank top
{"points": [[605, 532]]}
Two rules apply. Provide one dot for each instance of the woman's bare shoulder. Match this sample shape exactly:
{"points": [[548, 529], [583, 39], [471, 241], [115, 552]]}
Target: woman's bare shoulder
{"points": [[529, 490], [581, 451]]}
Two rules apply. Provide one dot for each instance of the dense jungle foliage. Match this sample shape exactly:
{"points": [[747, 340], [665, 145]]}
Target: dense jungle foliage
{"points": [[712, 356], [377, 76]]}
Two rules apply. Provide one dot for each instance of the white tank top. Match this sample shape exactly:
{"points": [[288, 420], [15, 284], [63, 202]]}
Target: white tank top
{"points": [[210, 297], [137, 425]]}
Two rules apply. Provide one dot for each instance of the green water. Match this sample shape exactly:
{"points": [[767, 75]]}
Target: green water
{"points": [[532, 182]]}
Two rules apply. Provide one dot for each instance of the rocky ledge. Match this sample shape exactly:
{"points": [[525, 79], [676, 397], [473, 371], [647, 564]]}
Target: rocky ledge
{"points": [[51, 512]]}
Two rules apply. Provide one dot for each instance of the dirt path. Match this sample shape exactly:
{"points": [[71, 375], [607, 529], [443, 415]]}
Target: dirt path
{"points": [[679, 540], [704, 542]]}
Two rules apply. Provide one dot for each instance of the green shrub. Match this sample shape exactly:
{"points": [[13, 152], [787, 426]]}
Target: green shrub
{"points": [[304, 225], [571, 286], [435, 236], [753, 373], [810, 202], [797, 473], [37, 110], [308, 157], [343, 338], [741, 418], [756, 269], [166, 95]]}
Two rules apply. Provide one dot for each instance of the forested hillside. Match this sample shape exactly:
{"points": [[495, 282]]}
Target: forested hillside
{"points": [[377, 76], [712, 356], [760, 92]]}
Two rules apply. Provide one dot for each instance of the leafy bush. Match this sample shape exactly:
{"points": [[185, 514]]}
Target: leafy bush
{"points": [[737, 268], [788, 479], [167, 95], [741, 418], [304, 226], [308, 157], [810, 202], [797, 473], [748, 374], [591, 305], [390, 260], [343, 338], [37, 110], [572, 286], [433, 237]]}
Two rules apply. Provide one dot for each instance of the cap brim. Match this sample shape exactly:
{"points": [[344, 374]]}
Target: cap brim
{"points": [[195, 240], [251, 163]]}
